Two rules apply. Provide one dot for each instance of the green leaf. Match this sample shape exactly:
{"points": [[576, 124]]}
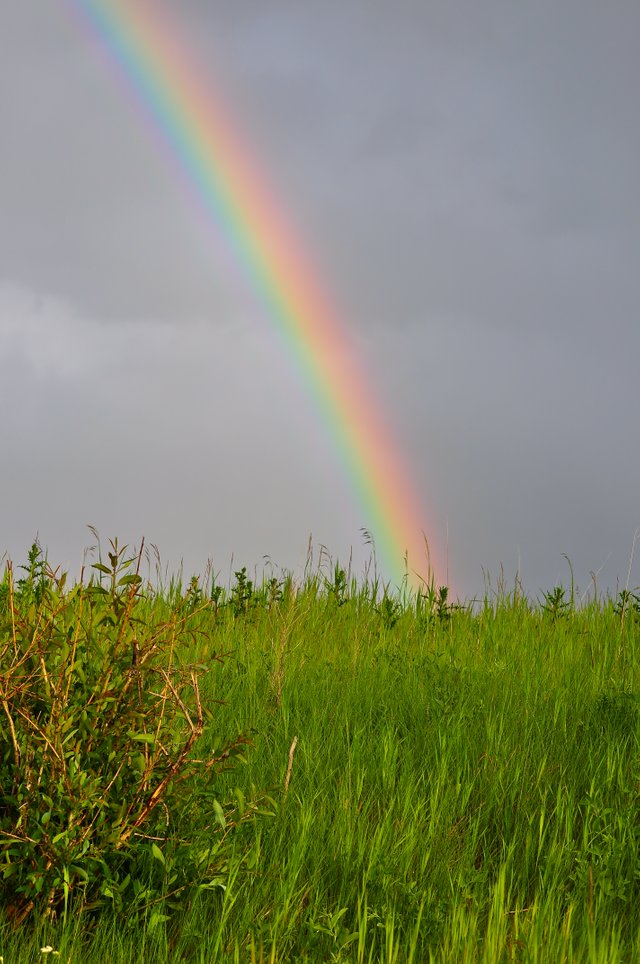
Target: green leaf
{"points": [[141, 737], [78, 668], [220, 817], [157, 853], [157, 918], [139, 762], [122, 886], [216, 883], [101, 567], [130, 580]]}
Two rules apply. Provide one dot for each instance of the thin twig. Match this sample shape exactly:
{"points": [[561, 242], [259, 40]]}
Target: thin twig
{"points": [[14, 738], [11, 608], [179, 762]]}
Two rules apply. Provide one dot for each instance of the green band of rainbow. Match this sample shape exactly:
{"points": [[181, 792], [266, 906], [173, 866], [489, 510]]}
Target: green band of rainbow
{"points": [[192, 121]]}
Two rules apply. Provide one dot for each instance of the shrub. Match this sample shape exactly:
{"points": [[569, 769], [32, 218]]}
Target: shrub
{"points": [[100, 712]]}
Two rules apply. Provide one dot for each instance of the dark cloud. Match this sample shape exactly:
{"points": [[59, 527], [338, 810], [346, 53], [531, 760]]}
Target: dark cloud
{"points": [[465, 178]]}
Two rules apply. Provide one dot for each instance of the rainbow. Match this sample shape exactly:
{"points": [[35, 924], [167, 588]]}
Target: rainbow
{"points": [[204, 140]]}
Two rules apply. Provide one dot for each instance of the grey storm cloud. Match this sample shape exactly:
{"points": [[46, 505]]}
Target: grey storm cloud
{"points": [[464, 177]]}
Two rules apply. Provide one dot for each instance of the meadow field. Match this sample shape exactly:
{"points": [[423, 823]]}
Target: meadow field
{"points": [[315, 771]]}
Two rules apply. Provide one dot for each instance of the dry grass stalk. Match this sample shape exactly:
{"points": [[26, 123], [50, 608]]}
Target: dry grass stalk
{"points": [[292, 750]]}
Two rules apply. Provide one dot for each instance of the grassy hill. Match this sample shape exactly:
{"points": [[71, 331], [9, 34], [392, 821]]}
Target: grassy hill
{"points": [[315, 772]]}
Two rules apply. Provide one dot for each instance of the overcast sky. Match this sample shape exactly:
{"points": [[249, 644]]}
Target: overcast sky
{"points": [[466, 179]]}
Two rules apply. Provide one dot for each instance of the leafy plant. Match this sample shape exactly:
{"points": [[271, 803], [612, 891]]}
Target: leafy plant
{"points": [[627, 603], [434, 604], [390, 610], [273, 592], [37, 581], [555, 605], [100, 712], [243, 596], [337, 587]]}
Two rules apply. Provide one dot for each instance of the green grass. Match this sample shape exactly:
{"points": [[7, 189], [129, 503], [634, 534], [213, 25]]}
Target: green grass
{"points": [[465, 784]]}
